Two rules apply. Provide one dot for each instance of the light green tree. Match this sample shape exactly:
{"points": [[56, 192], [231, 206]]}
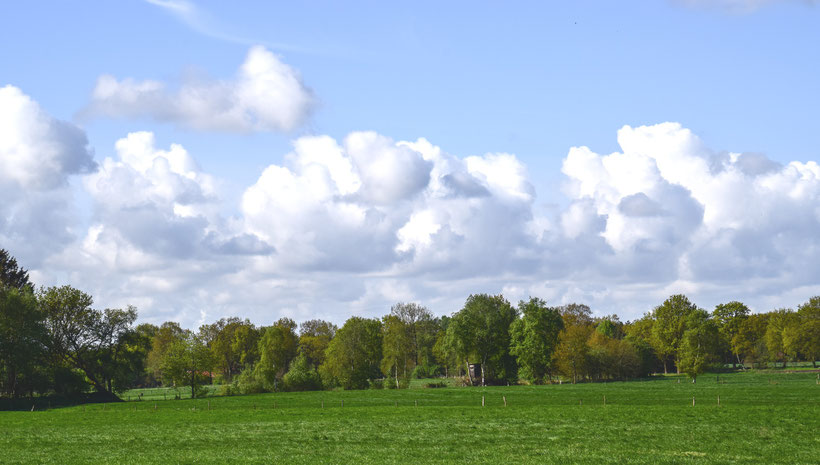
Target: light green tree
{"points": [[397, 349], [699, 345], [668, 328], [729, 317], [187, 362], [354, 355], [277, 347]]}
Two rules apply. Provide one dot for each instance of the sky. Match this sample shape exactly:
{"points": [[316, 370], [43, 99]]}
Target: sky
{"points": [[201, 160]]}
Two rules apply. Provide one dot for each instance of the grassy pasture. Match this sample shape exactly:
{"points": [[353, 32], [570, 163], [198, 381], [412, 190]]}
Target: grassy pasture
{"points": [[762, 418]]}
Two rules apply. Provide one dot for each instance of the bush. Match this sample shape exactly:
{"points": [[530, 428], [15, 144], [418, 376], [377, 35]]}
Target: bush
{"points": [[390, 383], [248, 382], [427, 371], [439, 384], [301, 376], [377, 384]]}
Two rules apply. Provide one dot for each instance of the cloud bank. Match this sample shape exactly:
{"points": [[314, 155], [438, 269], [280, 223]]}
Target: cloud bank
{"points": [[351, 226], [265, 95]]}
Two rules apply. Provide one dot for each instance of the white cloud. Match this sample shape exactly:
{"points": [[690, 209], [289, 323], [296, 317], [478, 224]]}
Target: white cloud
{"points": [[349, 226], [265, 95], [38, 156]]}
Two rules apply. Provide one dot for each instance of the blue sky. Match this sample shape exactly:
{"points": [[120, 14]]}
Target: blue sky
{"points": [[531, 80]]}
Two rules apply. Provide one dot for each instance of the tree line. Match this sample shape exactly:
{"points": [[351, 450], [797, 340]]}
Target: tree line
{"points": [[52, 341]]}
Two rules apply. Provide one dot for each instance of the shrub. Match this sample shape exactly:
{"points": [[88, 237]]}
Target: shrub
{"points": [[427, 371], [301, 376], [377, 384]]}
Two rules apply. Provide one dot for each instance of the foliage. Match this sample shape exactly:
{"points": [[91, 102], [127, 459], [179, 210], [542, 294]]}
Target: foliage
{"points": [[397, 347], [314, 337], [187, 362], [88, 339], [354, 355], [669, 326], [481, 330], [22, 333], [534, 337], [302, 376], [11, 274], [699, 346], [572, 353], [277, 348]]}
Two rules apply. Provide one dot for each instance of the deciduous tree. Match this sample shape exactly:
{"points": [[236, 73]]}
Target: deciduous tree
{"points": [[534, 338]]}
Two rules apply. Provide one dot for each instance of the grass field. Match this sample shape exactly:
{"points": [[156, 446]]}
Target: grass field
{"points": [[762, 418]]}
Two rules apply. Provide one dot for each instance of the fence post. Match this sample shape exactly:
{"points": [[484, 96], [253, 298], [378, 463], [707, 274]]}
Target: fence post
{"points": [[482, 401], [718, 401], [693, 401], [505, 400]]}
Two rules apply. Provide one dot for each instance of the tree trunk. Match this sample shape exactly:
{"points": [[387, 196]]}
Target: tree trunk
{"points": [[482, 372], [397, 376], [665, 370], [193, 379], [469, 375]]}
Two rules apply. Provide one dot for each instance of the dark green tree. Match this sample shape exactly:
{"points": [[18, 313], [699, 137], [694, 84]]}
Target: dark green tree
{"points": [[11, 274], [481, 330], [534, 338], [83, 337], [22, 335]]}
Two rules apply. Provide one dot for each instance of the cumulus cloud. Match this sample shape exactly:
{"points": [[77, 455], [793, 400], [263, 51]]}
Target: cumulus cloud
{"points": [[373, 204], [670, 210], [350, 226], [38, 156], [265, 95], [160, 202]]}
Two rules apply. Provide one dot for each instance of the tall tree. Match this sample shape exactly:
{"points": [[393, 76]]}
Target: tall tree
{"points": [[314, 338], [809, 329], [779, 321], [534, 338], [277, 347], [166, 335], [421, 329], [22, 332], [481, 329], [397, 348], [11, 274], [729, 317], [81, 336], [187, 362], [699, 345], [669, 326], [572, 353], [354, 355], [750, 341]]}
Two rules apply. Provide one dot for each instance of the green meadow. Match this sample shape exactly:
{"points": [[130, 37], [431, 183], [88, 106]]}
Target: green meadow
{"points": [[762, 417]]}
